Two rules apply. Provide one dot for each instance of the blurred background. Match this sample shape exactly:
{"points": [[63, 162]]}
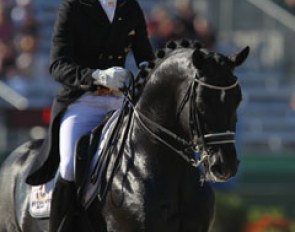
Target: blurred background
{"points": [[262, 197]]}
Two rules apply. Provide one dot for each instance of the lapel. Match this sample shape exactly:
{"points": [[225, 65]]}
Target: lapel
{"points": [[120, 9], [95, 11]]}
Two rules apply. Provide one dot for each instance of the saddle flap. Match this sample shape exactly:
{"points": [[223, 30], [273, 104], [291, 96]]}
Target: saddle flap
{"points": [[98, 163], [86, 148], [81, 159]]}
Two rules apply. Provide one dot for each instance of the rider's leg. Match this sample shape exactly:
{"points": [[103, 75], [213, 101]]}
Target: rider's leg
{"points": [[80, 117], [63, 206]]}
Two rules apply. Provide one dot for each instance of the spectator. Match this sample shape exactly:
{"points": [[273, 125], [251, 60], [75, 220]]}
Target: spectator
{"points": [[289, 5], [7, 58], [184, 19], [204, 32], [5, 25], [161, 26], [185, 23]]}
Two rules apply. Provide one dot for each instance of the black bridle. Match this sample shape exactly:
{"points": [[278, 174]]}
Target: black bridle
{"points": [[199, 140]]}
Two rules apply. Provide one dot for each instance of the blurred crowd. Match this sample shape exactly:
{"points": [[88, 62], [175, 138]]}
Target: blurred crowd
{"points": [[181, 20], [18, 43], [18, 39]]}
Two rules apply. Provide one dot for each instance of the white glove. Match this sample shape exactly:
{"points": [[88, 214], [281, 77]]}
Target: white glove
{"points": [[113, 78]]}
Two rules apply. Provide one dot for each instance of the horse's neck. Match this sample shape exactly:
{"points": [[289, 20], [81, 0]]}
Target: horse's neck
{"points": [[158, 104]]}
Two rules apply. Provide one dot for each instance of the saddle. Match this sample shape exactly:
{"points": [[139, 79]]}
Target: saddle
{"points": [[91, 158]]}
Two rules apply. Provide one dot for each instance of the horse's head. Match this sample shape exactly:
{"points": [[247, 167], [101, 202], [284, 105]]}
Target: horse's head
{"points": [[217, 96], [194, 94]]}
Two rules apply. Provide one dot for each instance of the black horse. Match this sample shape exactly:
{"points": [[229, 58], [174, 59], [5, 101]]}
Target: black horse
{"points": [[188, 106]]}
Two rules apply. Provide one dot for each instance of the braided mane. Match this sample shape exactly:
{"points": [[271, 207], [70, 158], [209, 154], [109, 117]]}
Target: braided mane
{"points": [[161, 54]]}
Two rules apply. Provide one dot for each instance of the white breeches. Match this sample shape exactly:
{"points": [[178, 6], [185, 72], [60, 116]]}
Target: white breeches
{"points": [[81, 117]]}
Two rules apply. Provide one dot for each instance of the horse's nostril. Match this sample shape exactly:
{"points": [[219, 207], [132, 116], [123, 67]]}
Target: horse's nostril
{"points": [[222, 170], [218, 170]]}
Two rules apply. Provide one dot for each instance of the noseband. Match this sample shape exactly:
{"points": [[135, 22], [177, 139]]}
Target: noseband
{"points": [[200, 141]]}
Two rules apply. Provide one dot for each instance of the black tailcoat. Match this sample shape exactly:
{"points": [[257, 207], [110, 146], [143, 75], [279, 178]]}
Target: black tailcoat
{"points": [[84, 40]]}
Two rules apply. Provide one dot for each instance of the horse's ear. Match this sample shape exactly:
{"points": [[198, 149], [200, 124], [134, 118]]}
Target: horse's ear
{"points": [[198, 59], [240, 57]]}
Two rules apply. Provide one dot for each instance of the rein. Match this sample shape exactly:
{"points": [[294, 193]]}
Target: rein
{"points": [[181, 153], [199, 140]]}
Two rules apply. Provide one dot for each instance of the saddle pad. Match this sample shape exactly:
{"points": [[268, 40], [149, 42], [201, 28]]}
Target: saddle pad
{"points": [[92, 188], [40, 200]]}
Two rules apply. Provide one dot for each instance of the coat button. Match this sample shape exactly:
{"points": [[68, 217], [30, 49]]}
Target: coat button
{"points": [[111, 57], [120, 57]]}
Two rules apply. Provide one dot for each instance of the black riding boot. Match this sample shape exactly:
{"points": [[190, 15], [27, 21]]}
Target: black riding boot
{"points": [[62, 206]]}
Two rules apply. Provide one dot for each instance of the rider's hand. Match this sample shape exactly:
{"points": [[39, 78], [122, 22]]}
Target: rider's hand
{"points": [[114, 78]]}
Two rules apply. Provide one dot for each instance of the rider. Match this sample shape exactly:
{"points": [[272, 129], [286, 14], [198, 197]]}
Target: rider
{"points": [[90, 42]]}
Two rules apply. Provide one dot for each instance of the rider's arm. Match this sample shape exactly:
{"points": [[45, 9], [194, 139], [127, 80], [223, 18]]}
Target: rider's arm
{"points": [[63, 67], [142, 48]]}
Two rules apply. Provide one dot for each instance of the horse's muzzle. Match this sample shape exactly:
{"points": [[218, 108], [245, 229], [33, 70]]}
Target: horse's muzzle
{"points": [[222, 168]]}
